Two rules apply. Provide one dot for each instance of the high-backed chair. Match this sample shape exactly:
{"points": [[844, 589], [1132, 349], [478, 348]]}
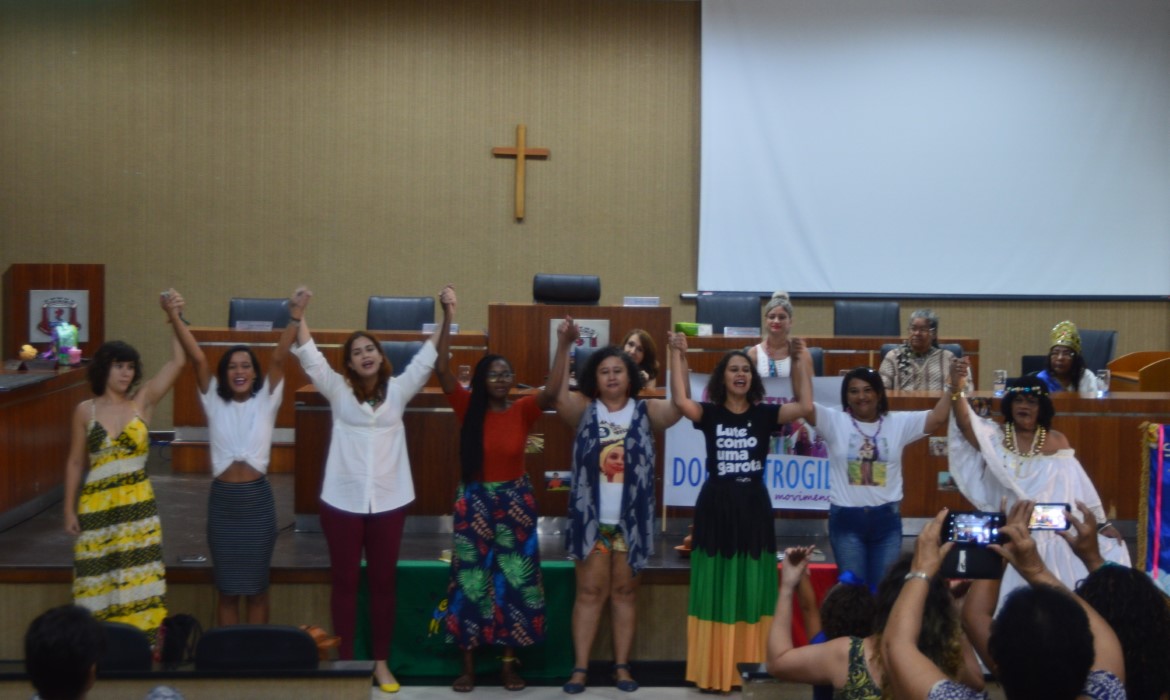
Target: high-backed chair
{"points": [[256, 648], [399, 313], [1031, 364], [581, 290], [400, 352], [818, 360], [723, 310], [866, 318], [127, 649], [581, 355], [274, 311], [1097, 348]]}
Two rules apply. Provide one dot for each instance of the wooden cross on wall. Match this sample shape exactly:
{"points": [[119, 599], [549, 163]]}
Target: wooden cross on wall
{"points": [[521, 153]]}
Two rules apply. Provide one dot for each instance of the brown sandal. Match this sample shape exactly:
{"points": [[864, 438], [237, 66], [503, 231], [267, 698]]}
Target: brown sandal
{"points": [[508, 676]]}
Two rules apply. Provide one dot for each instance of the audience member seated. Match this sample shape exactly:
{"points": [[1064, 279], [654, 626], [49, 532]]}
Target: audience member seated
{"points": [[773, 357], [1043, 643], [846, 611], [853, 665], [641, 348], [919, 364], [62, 648], [1065, 368], [1026, 460]]}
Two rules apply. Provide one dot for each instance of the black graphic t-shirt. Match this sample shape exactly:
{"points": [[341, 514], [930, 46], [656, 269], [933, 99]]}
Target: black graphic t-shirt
{"points": [[737, 443]]}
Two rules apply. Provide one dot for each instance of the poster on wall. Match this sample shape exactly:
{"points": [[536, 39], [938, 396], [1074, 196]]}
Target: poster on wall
{"points": [[594, 334], [49, 307], [796, 471]]}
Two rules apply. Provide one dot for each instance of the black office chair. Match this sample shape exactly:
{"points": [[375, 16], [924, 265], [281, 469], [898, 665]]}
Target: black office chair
{"points": [[818, 361], [1097, 348], [399, 313], [726, 309], [581, 290], [127, 649], [274, 311], [256, 648], [866, 318], [400, 352], [1031, 364]]}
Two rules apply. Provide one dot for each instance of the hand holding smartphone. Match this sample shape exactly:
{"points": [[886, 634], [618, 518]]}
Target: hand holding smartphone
{"points": [[1049, 516]]}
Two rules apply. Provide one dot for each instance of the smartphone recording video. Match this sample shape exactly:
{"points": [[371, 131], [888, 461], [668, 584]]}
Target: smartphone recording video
{"points": [[1049, 516], [975, 528]]}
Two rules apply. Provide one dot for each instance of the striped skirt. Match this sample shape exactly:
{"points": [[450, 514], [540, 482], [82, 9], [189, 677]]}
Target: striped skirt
{"points": [[118, 571], [496, 596], [241, 531]]}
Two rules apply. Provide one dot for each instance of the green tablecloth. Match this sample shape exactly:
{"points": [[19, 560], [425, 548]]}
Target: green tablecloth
{"points": [[420, 641]]}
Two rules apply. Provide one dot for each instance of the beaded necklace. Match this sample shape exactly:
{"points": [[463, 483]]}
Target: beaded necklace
{"points": [[870, 441], [1009, 440]]}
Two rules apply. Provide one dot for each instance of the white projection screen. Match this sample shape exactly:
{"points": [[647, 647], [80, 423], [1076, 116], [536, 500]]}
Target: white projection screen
{"points": [[937, 147]]}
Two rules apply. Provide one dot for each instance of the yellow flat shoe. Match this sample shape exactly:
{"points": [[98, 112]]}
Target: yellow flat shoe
{"points": [[390, 687]]}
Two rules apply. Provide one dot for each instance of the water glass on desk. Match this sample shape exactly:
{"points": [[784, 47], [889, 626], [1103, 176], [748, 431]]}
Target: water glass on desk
{"points": [[999, 383], [1104, 376]]}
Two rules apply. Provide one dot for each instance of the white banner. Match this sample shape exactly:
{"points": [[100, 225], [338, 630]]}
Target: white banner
{"points": [[796, 471]]}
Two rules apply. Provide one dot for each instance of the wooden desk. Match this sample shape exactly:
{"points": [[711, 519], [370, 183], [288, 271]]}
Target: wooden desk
{"points": [[189, 450], [1148, 370], [1103, 431], [34, 439], [841, 352], [520, 332], [432, 440]]}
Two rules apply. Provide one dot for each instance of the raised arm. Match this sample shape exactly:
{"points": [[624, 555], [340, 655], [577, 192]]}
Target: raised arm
{"points": [[567, 334], [938, 415], [912, 672], [820, 664], [191, 347], [680, 378], [806, 598], [157, 386], [447, 380], [296, 313], [802, 372], [75, 465], [570, 405]]}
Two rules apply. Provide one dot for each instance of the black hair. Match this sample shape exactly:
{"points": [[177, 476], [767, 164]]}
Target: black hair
{"points": [[222, 389], [109, 353], [870, 376], [61, 647], [1074, 373], [1042, 644], [1035, 387], [717, 384], [471, 432], [587, 380], [1140, 615], [847, 611]]}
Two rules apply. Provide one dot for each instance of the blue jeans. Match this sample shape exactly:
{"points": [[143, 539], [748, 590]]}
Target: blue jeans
{"points": [[866, 540]]}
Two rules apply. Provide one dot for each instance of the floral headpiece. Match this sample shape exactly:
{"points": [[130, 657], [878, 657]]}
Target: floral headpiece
{"points": [[1038, 390], [1065, 333]]}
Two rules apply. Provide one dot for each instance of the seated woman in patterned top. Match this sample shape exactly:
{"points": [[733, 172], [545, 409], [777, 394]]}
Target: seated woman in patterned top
{"points": [[919, 364]]}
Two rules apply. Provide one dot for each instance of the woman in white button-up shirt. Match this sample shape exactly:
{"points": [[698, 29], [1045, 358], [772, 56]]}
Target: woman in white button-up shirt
{"points": [[367, 482]]}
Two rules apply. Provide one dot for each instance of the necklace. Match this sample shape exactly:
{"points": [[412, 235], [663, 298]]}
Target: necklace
{"points": [[869, 445], [1009, 440]]}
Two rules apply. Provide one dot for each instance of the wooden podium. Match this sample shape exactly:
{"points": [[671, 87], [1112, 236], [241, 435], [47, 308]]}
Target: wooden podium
{"points": [[520, 332], [20, 279]]}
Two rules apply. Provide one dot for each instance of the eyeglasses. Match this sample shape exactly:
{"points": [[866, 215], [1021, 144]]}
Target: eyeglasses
{"points": [[1061, 352], [920, 329], [500, 376]]}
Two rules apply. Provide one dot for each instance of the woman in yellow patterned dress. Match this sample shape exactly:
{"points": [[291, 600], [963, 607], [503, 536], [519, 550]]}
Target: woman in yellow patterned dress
{"points": [[118, 571]]}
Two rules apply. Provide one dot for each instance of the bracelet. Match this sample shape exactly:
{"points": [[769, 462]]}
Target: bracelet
{"points": [[917, 574], [293, 319], [1103, 525]]}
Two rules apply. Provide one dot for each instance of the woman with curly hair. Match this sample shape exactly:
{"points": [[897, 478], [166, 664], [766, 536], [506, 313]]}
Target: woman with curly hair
{"points": [[610, 535], [117, 558], [733, 563], [496, 598], [854, 666]]}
